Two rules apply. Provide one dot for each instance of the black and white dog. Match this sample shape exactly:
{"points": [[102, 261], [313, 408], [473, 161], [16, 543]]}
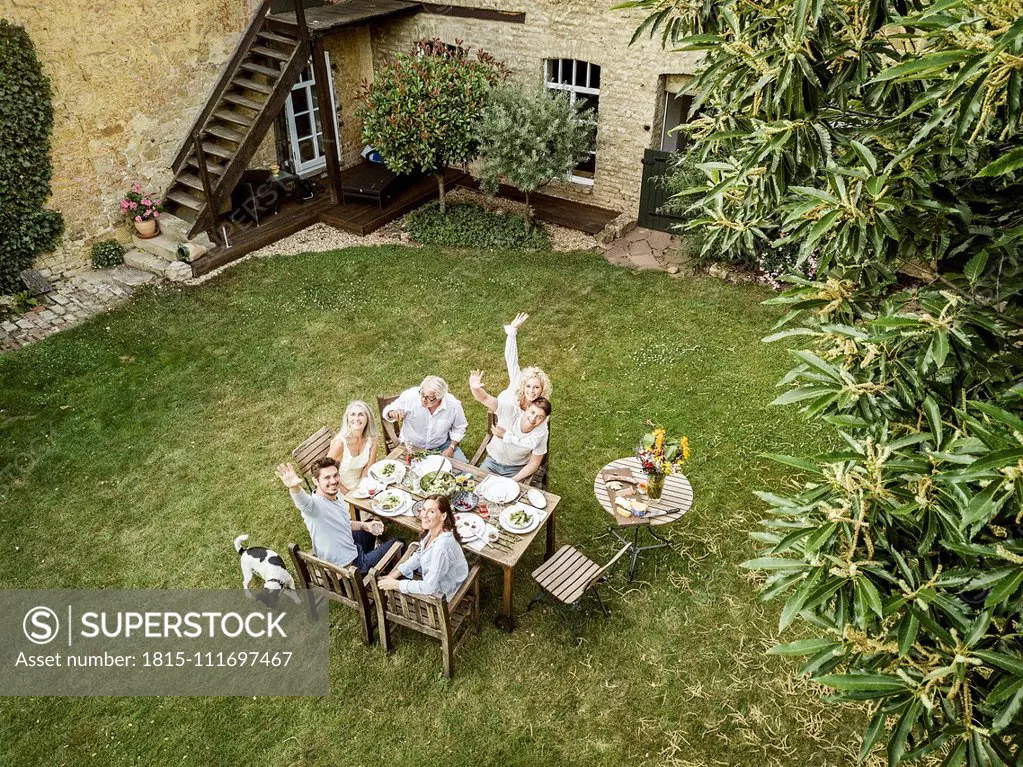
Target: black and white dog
{"points": [[268, 565]]}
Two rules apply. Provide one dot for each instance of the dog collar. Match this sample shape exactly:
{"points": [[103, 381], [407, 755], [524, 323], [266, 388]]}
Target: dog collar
{"points": [[277, 580]]}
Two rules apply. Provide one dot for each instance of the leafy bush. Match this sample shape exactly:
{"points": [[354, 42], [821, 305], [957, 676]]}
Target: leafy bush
{"points": [[825, 134], [471, 226], [422, 110], [26, 121], [107, 253], [530, 138]]}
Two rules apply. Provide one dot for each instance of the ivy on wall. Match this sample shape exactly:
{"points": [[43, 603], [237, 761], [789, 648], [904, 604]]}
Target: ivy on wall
{"points": [[27, 228]]}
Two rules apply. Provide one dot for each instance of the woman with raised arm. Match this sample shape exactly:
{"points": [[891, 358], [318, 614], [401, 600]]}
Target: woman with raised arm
{"points": [[355, 445], [524, 385], [439, 557]]}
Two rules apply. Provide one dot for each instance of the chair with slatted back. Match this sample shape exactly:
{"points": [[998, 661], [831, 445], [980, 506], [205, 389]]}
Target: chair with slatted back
{"points": [[344, 585], [391, 430], [448, 622], [568, 575], [312, 449], [539, 477]]}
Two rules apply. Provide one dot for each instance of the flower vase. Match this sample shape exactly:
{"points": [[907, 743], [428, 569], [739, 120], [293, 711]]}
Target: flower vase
{"points": [[146, 229], [654, 486]]}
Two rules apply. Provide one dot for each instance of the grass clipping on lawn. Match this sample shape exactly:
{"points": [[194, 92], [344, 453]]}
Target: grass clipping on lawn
{"points": [[470, 226]]}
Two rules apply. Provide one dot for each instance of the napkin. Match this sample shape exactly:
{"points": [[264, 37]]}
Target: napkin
{"points": [[481, 543]]}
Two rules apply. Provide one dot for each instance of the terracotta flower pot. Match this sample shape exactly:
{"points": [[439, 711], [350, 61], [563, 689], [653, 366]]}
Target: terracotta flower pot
{"points": [[146, 229]]}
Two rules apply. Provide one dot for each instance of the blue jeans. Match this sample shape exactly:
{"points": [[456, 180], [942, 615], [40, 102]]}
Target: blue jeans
{"points": [[368, 555], [499, 468]]}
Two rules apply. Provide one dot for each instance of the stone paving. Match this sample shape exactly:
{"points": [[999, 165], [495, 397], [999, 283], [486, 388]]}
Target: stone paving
{"points": [[641, 248], [88, 293]]}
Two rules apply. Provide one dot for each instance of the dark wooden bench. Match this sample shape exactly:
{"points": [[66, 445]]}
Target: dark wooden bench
{"points": [[372, 181]]}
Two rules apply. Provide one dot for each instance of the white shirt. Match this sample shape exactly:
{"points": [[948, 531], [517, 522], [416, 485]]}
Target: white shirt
{"points": [[511, 361], [443, 565], [515, 447], [424, 429]]}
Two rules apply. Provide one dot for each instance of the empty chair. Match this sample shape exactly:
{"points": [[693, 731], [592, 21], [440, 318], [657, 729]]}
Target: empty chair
{"points": [[568, 575], [433, 616], [391, 430]]}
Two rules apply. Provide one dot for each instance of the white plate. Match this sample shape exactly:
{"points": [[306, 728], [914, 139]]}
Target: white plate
{"points": [[470, 526], [536, 498], [499, 489], [432, 463], [393, 492], [535, 518], [361, 490], [395, 476]]}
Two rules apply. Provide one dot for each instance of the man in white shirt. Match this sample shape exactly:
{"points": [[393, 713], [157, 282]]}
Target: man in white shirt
{"points": [[519, 440], [432, 418], [336, 537]]}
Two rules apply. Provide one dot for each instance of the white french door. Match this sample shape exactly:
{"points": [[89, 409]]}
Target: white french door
{"points": [[305, 130]]}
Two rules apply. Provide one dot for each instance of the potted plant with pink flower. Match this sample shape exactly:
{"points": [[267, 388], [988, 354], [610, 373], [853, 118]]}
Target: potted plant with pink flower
{"points": [[143, 210]]}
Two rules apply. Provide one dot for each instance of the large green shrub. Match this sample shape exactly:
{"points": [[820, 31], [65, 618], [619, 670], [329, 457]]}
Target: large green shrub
{"points": [[471, 226], [422, 110], [26, 121], [529, 138], [868, 134]]}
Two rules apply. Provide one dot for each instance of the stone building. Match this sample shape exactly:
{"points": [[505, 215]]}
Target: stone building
{"points": [[129, 80]]}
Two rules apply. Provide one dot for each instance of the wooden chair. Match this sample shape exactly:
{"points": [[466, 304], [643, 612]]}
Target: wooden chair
{"points": [[429, 615], [539, 477], [312, 449], [391, 430], [344, 585], [568, 575]]}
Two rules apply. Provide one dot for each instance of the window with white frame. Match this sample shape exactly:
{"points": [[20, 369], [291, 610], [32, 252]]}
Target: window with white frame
{"points": [[305, 131], [581, 81]]}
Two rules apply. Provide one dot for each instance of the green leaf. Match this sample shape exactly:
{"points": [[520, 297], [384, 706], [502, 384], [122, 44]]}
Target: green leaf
{"points": [[796, 463], [939, 347], [1006, 688], [933, 419], [956, 756], [773, 563], [874, 731], [1004, 589], [865, 155], [908, 628], [871, 597], [897, 742], [1008, 713], [930, 63], [975, 267], [1011, 663], [1008, 162], [882, 684]]}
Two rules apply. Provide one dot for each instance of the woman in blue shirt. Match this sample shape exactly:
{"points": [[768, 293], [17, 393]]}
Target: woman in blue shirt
{"points": [[439, 556]]}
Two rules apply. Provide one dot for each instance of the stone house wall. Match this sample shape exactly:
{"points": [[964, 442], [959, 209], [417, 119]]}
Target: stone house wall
{"points": [[585, 30]]}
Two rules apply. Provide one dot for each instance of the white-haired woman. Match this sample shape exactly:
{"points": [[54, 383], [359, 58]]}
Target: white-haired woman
{"points": [[524, 385], [355, 445]]}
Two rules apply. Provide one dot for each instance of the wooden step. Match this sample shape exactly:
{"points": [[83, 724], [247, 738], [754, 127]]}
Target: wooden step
{"points": [[189, 179], [266, 34], [270, 53], [185, 213], [222, 131], [229, 115], [252, 66], [243, 101], [212, 167], [183, 198], [217, 150], [252, 85]]}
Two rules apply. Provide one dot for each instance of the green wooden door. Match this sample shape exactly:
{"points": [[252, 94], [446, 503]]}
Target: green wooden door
{"points": [[654, 194]]}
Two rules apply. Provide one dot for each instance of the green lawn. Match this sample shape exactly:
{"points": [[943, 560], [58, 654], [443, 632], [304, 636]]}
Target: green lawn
{"points": [[138, 445]]}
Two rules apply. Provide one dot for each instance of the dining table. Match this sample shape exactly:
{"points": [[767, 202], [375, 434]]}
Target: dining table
{"points": [[506, 552]]}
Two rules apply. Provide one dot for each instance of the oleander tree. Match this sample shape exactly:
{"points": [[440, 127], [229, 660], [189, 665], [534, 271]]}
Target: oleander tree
{"points": [[881, 137], [530, 137], [27, 227], [423, 109]]}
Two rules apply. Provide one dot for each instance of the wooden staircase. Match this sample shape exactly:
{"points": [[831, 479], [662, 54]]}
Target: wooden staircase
{"points": [[243, 106]]}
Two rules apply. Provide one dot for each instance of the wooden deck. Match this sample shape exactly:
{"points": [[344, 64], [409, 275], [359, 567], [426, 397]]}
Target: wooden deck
{"points": [[326, 19], [557, 210], [354, 216]]}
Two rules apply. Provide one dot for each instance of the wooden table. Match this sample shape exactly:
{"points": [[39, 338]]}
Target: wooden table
{"points": [[505, 553], [674, 502]]}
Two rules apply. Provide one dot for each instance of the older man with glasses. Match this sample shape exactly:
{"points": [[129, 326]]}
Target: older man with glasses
{"points": [[432, 418]]}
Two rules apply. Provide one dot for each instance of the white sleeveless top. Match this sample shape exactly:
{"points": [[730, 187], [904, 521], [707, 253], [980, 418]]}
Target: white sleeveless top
{"points": [[351, 466]]}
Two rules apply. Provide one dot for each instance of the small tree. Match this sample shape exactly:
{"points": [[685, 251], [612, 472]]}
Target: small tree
{"points": [[531, 137], [422, 111], [26, 120]]}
